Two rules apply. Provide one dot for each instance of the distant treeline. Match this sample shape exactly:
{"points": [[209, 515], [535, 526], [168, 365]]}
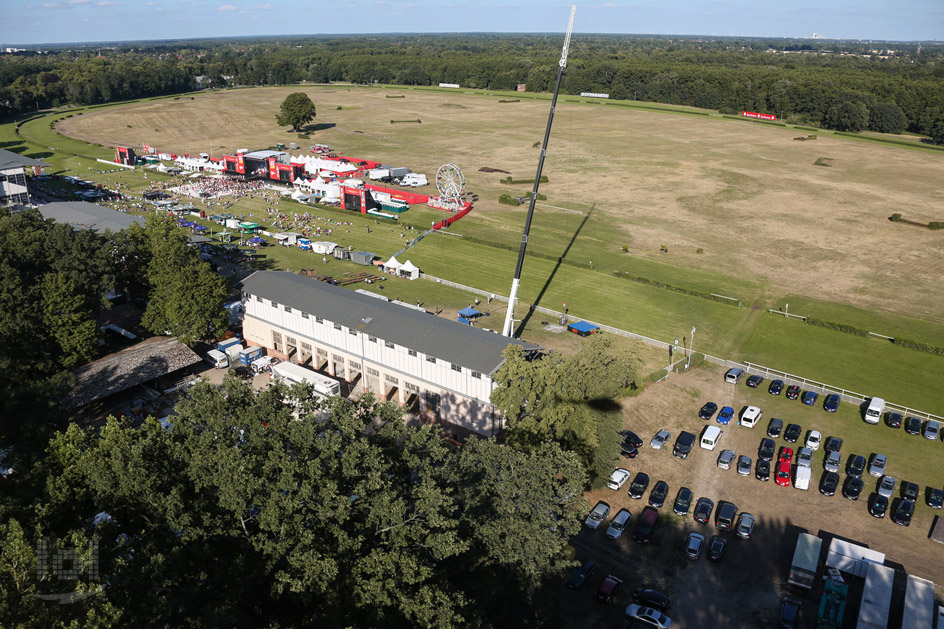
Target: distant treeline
{"points": [[846, 86]]}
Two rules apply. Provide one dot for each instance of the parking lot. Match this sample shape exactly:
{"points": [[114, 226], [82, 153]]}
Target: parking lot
{"points": [[745, 588]]}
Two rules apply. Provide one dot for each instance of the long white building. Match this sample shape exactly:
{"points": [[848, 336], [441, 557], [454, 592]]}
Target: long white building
{"points": [[442, 369], [13, 178]]}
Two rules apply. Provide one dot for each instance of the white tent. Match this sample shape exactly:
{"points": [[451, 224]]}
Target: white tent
{"points": [[392, 265], [299, 181], [409, 271], [298, 195], [324, 247]]}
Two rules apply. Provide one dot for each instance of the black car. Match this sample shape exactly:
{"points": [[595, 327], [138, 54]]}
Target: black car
{"points": [[683, 501], [242, 372], [754, 381], [639, 485], [793, 392], [909, 491], [631, 444], [683, 445], [762, 470], [658, 494], [766, 449], [629, 450], [792, 433], [852, 488], [789, 612], [856, 465], [878, 505], [913, 426], [833, 444], [716, 548], [725, 515], [893, 420], [580, 574], [632, 438], [776, 386], [708, 410], [935, 497], [775, 427], [703, 509], [903, 512], [828, 483], [652, 598]]}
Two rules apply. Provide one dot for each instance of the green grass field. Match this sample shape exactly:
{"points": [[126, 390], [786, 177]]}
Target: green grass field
{"points": [[483, 249]]}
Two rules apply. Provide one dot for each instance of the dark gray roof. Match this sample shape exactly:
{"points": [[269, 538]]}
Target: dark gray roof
{"points": [[130, 367], [9, 159], [451, 341], [85, 215]]}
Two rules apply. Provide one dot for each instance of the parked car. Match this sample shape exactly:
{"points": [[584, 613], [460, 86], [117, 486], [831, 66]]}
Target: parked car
{"points": [[935, 497], [652, 598], [683, 445], [813, 439], [659, 440], [774, 428], [809, 398], [785, 454], [597, 515], [581, 573], [783, 473], [734, 375], [659, 493], [754, 381], [912, 425], [708, 410], [852, 488], [877, 468], [703, 509], [793, 392], [762, 470], [878, 505], [856, 465], [932, 430], [648, 616], [725, 515], [632, 438], [909, 491], [792, 433], [745, 525], [694, 544], [725, 459], [828, 483], [608, 588], [831, 403], [639, 485], [628, 449], [242, 372], [789, 613], [645, 525], [744, 465], [805, 458], [766, 449], [903, 512], [725, 415], [683, 501], [833, 444], [716, 547], [619, 524], [776, 386], [832, 461], [893, 420], [750, 416], [618, 478]]}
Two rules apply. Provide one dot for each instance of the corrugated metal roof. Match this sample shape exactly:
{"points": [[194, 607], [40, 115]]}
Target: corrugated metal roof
{"points": [[451, 341], [9, 159], [85, 215]]}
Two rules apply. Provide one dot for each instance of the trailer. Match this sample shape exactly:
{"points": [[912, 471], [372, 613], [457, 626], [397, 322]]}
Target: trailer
{"points": [[876, 598], [290, 374], [805, 563], [919, 604], [378, 173], [832, 605]]}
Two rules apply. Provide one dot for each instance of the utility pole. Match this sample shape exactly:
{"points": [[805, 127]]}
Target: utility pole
{"points": [[691, 348], [507, 330]]}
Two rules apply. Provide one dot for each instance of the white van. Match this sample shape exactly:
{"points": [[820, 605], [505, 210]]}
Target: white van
{"points": [[801, 480], [874, 412], [710, 437], [751, 416], [414, 179], [217, 358]]}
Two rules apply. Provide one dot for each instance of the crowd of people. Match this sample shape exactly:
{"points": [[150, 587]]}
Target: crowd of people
{"points": [[218, 187]]}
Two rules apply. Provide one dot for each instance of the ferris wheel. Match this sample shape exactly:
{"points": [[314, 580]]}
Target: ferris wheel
{"points": [[451, 184]]}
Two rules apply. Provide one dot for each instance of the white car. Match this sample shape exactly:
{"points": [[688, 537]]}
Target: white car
{"points": [[725, 459], [805, 458], [618, 478], [596, 517], [751, 416], [813, 439], [886, 486], [659, 440], [648, 616], [264, 363], [619, 524]]}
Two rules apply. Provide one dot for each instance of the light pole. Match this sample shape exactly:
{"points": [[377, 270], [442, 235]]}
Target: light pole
{"points": [[691, 347]]}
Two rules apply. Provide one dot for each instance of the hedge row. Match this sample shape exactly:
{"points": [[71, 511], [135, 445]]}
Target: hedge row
{"points": [[507, 199], [658, 375], [936, 224], [541, 197], [677, 289], [921, 347], [510, 180], [848, 329], [841, 327]]}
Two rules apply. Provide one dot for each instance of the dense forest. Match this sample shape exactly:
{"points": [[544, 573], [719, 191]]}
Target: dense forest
{"points": [[845, 86]]}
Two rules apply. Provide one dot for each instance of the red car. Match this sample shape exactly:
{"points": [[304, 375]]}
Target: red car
{"points": [[786, 454], [783, 473], [608, 588]]}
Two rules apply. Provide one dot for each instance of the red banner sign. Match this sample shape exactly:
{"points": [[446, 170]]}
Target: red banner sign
{"points": [[754, 114]]}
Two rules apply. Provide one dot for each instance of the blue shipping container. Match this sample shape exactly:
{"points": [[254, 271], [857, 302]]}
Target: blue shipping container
{"points": [[250, 354], [222, 345]]}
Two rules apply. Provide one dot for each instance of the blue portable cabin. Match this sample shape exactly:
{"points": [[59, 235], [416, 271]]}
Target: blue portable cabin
{"points": [[582, 328]]}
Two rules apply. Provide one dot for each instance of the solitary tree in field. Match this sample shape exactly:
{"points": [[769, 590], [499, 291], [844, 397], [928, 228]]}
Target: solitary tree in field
{"points": [[296, 110]]}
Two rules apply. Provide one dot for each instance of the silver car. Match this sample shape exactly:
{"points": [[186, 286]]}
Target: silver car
{"points": [[725, 459], [659, 440], [805, 457], [932, 430], [833, 459], [694, 545], [619, 524], [744, 465], [877, 468], [886, 486], [596, 517]]}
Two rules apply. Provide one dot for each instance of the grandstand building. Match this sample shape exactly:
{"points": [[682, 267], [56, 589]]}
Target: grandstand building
{"points": [[13, 177]]}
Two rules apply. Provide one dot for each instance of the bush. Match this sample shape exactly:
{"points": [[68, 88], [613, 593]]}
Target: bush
{"points": [[936, 224], [507, 199], [921, 347], [839, 327], [697, 359], [510, 180], [624, 249], [304, 136], [699, 250], [658, 375], [339, 108], [541, 197], [895, 217]]}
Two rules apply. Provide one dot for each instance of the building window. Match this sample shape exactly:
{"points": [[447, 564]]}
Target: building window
{"points": [[319, 320], [352, 331], [456, 367], [390, 379], [338, 359], [433, 401], [277, 341], [412, 352], [306, 346], [275, 304], [322, 352], [259, 299], [431, 359], [372, 339], [389, 345], [373, 372], [409, 386], [337, 326], [354, 366], [477, 375], [287, 309], [304, 315]]}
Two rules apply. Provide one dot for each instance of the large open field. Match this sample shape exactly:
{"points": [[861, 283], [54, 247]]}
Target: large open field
{"points": [[773, 227]]}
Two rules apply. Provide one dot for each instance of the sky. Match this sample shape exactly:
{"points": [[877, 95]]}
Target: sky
{"points": [[60, 21]]}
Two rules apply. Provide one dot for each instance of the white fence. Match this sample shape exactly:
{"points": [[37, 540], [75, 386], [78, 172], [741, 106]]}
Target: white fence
{"points": [[750, 368]]}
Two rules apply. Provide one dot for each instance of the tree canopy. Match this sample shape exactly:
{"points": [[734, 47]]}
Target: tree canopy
{"points": [[296, 110]]}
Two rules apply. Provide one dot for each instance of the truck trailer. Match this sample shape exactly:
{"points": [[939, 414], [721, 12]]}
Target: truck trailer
{"points": [[805, 563]]}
